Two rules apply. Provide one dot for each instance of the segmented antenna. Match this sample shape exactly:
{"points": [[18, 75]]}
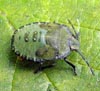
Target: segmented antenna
{"points": [[85, 61], [76, 34]]}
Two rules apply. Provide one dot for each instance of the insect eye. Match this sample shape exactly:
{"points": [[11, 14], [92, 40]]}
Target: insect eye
{"points": [[34, 36], [26, 38]]}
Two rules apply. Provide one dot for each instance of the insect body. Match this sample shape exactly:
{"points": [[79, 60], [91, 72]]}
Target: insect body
{"points": [[46, 42]]}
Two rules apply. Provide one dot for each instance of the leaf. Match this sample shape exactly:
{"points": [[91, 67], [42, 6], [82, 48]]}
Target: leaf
{"points": [[16, 77]]}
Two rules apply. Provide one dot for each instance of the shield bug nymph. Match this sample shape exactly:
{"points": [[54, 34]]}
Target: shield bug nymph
{"points": [[45, 42]]}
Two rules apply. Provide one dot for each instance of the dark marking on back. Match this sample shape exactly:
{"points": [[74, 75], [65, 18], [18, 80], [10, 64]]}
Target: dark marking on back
{"points": [[34, 36], [26, 37]]}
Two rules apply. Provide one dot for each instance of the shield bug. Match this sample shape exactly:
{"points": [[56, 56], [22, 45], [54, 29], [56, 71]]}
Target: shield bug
{"points": [[45, 42]]}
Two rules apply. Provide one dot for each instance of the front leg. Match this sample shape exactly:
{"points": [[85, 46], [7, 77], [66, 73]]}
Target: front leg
{"points": [[72, 65]]}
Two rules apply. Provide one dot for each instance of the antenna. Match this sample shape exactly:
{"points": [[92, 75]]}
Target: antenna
{"points": [[76, 35], [85, 61]]}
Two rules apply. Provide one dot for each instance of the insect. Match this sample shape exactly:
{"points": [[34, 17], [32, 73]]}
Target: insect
{"points": [[45, 42]]}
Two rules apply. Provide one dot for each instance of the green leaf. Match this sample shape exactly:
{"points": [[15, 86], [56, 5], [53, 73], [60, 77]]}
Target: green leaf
{"points": [[16, 77]]}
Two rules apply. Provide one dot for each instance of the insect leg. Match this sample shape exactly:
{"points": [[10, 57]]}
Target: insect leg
{"points": [[72, 65], [43, 65]]}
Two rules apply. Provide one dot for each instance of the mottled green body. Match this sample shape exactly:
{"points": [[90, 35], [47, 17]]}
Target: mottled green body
{"points": [[45, 41]]}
